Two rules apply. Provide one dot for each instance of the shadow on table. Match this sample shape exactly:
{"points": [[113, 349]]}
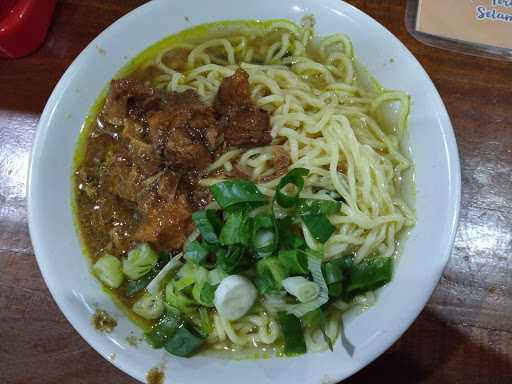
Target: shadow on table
{"points": [[434, 351]]}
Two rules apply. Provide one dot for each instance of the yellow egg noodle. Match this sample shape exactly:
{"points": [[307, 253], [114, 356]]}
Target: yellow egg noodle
{"points": [[325, 115]]}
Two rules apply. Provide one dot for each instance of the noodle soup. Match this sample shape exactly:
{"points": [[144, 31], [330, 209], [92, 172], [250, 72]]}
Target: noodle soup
{"points": [[240, 187]]}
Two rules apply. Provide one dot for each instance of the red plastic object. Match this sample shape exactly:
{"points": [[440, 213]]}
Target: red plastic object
{"points": [[23, 25]]}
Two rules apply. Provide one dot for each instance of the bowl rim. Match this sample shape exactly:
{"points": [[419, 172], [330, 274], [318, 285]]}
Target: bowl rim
{"points": [[453, 165]]}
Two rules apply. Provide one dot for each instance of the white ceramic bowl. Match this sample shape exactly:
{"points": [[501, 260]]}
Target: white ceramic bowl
{"points": [[426, 253]]}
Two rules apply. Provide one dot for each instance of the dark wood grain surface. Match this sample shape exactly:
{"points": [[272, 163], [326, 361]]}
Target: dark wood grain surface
{"points": [[464, 335]]}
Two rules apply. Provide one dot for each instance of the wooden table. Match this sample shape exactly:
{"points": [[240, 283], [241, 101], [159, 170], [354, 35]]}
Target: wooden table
{"points": [[464, 335]]}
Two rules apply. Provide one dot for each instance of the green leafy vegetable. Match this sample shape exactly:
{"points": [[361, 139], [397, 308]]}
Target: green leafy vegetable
{"points": [[296, 178], [140, 261], [232, 192], [108, 270], [319, 226], [184, 342], [208, 224], [162, 331], [369, 275], [293, 334], [196, 252], [295, 261]]}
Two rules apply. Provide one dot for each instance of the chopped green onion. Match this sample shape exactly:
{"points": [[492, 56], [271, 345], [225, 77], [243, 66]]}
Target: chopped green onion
{"points": [[263, 242], [184, 282], [243, 207], [296, 261], [369, 275], [108, 270], [135, 286], [155, 284], [216, 275], [149, 306], [232, 192], [207, 294], [178, 300], [335, 270], [184, 342], [208, 224], [313, 319], [336, 289], [293, 334], [272, 268], [300, 287], [234, 259], [317, 319], [196, 252], [264, 283], [327, 339], [237, 229], [316, 207], [264, 238], [296, 178], [163, 330], [287, 238], [203, 291], [315, 267], [294, 242], [319, 226], [188, 269], [206, 323], [140, 261], [200, 278], [163, 259]]}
